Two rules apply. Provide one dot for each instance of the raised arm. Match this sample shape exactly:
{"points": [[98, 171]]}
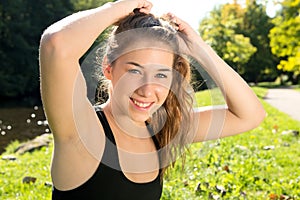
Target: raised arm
{"points": [[62, 45], [244, 110], [77, 131]]}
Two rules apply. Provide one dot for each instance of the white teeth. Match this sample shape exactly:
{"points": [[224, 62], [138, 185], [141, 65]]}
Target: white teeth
{"points": [[142, 105]]}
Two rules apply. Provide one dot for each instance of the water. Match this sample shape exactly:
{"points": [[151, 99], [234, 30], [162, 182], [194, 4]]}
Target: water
{"points": [[21, 123]]}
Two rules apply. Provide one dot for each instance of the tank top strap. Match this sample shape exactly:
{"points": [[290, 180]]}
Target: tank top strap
{"points": [[156, 143], [105, 124], [110, 155]]}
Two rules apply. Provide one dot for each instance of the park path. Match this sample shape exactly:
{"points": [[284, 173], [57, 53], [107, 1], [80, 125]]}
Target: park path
{"points": [[286, 100]]}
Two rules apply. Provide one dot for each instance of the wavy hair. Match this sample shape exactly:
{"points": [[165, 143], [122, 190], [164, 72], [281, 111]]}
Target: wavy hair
{"points": [[172, 122]]}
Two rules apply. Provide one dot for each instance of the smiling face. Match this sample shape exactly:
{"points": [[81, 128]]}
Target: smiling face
{"points": [[140, 82]]}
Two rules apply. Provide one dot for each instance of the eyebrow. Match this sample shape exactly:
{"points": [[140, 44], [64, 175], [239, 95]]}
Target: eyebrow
{"points": [[138, 65], [135, 64]]}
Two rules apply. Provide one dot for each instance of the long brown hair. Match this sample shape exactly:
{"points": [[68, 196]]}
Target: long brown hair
{"points": [[173, 120]]}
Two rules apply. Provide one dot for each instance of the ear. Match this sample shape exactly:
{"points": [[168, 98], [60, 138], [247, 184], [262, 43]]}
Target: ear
{"points": [[106, 68]]}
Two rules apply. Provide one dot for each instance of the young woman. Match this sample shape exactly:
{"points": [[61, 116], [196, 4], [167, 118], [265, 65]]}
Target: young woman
{"points": [[120, 150]]}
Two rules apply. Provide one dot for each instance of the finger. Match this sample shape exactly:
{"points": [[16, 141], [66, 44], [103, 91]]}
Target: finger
{"points": [[146, 7], [169, 17], [179, 22]]}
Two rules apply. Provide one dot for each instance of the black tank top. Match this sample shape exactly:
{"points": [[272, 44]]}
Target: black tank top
{"points": [[108, 183]]}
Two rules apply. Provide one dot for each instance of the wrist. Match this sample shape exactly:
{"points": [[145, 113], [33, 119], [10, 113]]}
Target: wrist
{"points": [[124, 8]]}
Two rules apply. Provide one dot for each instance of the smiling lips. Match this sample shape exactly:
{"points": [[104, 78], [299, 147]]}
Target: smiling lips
{"points": [[141, 105]]}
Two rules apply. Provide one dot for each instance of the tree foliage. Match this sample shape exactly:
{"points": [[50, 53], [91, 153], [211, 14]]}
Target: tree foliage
{"points": [[240, 36], [256, 25], [219, 31], [87, 4], [285, 36], [21, 26]]}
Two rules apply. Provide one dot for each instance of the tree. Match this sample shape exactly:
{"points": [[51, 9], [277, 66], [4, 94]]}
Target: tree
{"points": [[284, 38], [240, 35], [87, 4], [22, 23], [256, 25], [219, 31], [21, 26]]}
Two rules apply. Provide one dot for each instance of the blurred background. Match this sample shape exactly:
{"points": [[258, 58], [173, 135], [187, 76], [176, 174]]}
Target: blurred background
{"points": [[258, 38]]}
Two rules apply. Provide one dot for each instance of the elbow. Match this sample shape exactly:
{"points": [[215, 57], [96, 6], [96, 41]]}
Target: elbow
{"points": [[51, 43], [258, 116], [47, 39], [254, 119]]}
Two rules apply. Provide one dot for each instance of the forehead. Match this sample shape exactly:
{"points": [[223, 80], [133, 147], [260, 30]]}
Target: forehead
{"points": [[149, 56]]}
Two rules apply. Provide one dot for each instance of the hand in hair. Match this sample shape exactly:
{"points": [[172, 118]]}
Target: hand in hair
{"points": [[143, 6], [189, 39]]}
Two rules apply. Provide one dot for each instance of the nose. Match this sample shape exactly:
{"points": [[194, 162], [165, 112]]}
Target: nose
{"points": [[147, 90], [147, 87]]}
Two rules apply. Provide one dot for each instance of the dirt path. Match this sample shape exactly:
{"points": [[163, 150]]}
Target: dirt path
{"points": [[286, 100]]}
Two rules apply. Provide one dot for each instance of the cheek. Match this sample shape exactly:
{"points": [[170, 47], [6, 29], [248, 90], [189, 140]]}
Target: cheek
{"points": [[165, 87], [125, 84], [162, 93]]}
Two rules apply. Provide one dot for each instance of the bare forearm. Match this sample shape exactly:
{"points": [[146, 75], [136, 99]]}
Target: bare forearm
{"points": [[74, 34]]}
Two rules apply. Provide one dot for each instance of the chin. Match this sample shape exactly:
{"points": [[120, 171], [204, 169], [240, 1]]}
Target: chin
{"points": [[139, 118]]}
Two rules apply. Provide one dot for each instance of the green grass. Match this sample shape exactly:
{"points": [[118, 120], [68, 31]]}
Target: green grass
{"points": [[297, 87], [276, 84], [239, 165], [209, 97], [12, 172]]}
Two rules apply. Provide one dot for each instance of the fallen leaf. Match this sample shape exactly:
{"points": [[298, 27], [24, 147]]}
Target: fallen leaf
{"points": [[273, 196], [9, 157], [29, 179], [221, 189], [271, 147], [226, 168]]}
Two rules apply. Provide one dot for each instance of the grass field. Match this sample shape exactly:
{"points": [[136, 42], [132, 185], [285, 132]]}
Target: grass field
{"points": [[260, 164]]}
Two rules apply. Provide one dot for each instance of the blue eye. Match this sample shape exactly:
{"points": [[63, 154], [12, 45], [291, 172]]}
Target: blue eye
{"points": [[160, 75], [134, 71]]}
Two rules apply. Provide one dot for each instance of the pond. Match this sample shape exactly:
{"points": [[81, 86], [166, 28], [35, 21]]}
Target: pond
{"points": [[21, 123]]}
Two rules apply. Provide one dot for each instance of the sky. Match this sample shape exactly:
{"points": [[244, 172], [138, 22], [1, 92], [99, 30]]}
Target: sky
{"points": [[192, 11]]}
